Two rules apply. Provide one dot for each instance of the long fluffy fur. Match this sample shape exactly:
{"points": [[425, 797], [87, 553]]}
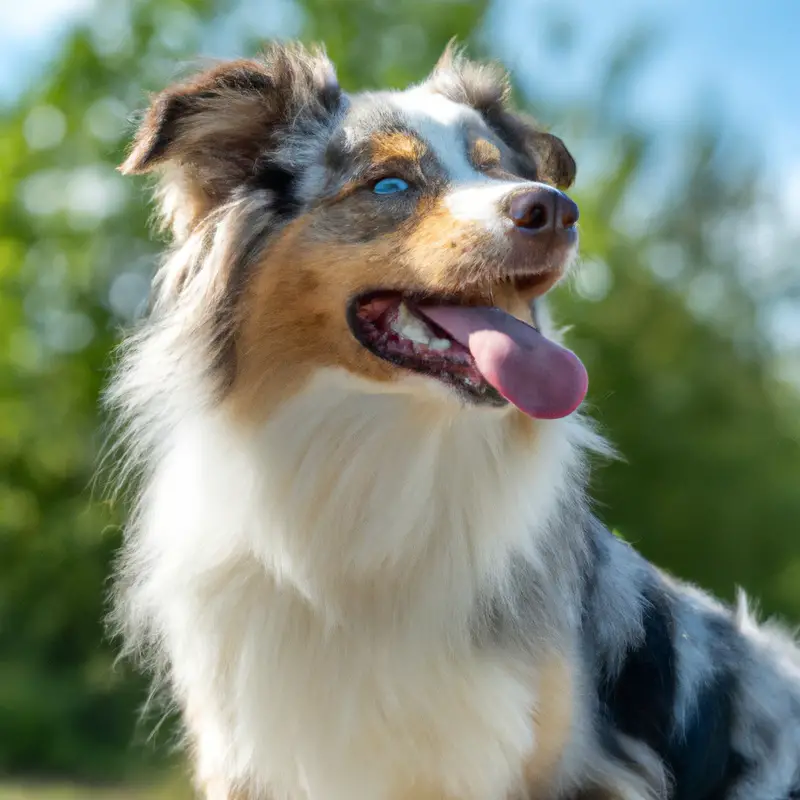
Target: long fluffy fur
{"points": [[372, 590]]}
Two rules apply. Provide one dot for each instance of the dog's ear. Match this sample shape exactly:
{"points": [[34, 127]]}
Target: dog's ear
{"points": [[208, 135], [486, 88]]}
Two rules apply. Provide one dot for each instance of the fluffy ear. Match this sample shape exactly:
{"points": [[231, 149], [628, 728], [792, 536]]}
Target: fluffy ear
{"points": [[540, 155], [485, 87], [208, 135]]}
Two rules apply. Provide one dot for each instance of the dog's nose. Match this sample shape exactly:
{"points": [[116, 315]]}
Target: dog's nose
{"points": [[542, 209]]}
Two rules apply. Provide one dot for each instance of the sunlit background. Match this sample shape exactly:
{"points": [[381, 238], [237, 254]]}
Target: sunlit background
{"points": [[684, 118]]}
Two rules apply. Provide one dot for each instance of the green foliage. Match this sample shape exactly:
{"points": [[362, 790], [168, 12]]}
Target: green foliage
{"points": [[172, 790], [707, 488], [707, 485], [70, 228]]}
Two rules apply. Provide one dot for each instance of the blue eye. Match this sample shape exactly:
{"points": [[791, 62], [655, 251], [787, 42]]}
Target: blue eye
{"points": [[390, 186]]}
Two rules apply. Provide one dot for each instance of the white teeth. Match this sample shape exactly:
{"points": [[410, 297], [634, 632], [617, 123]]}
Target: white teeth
{"points": [[409, 327]]}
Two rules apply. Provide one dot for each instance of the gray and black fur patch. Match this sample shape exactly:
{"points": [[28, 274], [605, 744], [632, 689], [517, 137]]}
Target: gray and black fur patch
{"points": [[288, 85], [539, 155], [220, 131], [677, 673]]}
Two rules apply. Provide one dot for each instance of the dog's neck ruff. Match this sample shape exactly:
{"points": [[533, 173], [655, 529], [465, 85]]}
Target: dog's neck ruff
{"points": [[386, 505], [356, 549]]}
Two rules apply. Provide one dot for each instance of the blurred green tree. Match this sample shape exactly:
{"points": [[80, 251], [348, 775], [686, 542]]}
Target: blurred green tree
{"points": [[74, 256], [683, 387]]}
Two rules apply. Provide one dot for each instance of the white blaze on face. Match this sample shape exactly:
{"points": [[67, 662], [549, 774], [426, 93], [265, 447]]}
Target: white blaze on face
{"points": [[473, 197], [441, 123], [482, 203]]}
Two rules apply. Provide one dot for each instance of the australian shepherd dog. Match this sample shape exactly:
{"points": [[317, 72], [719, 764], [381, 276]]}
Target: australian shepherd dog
{"points": [[362, 562]]}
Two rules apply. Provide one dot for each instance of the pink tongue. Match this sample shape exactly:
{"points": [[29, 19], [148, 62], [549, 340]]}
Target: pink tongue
{"points": [[538, 376]]}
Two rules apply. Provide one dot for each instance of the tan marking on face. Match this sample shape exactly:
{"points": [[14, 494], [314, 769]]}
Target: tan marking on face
{"points": [[484, 155], [396, 146], [466, 257], [292, 317], [553, 722], [292, 320], [452, 252]]}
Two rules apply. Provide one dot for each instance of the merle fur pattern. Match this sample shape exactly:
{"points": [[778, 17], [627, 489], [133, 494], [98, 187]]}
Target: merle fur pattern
{"points": [[711, 698]]}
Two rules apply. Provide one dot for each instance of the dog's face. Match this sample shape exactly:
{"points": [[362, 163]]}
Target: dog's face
{"points": [[399, 236]]}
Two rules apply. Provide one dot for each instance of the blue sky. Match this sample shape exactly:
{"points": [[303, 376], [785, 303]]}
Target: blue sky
{"points": [[741, 57]]}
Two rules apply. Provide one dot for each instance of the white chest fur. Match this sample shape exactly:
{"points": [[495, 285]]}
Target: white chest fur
{"points": [[316, 713], [310, 587]]}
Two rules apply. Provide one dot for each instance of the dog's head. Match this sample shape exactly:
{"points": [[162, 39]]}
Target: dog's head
{"points": [[399, 236]]}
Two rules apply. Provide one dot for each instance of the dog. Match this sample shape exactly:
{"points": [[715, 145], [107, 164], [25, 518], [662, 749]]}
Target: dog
{"points": [[362, 560]]}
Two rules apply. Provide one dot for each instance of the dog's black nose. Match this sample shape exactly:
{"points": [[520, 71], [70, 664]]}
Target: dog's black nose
{"points": [[542, 209]]}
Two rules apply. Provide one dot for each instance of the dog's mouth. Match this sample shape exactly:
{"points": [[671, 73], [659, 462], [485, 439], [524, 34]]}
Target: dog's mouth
{"points": [[486, 354]]}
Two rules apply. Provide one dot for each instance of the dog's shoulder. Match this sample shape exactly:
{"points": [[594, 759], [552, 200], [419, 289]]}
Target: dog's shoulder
{"points": [[714, 695]]}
